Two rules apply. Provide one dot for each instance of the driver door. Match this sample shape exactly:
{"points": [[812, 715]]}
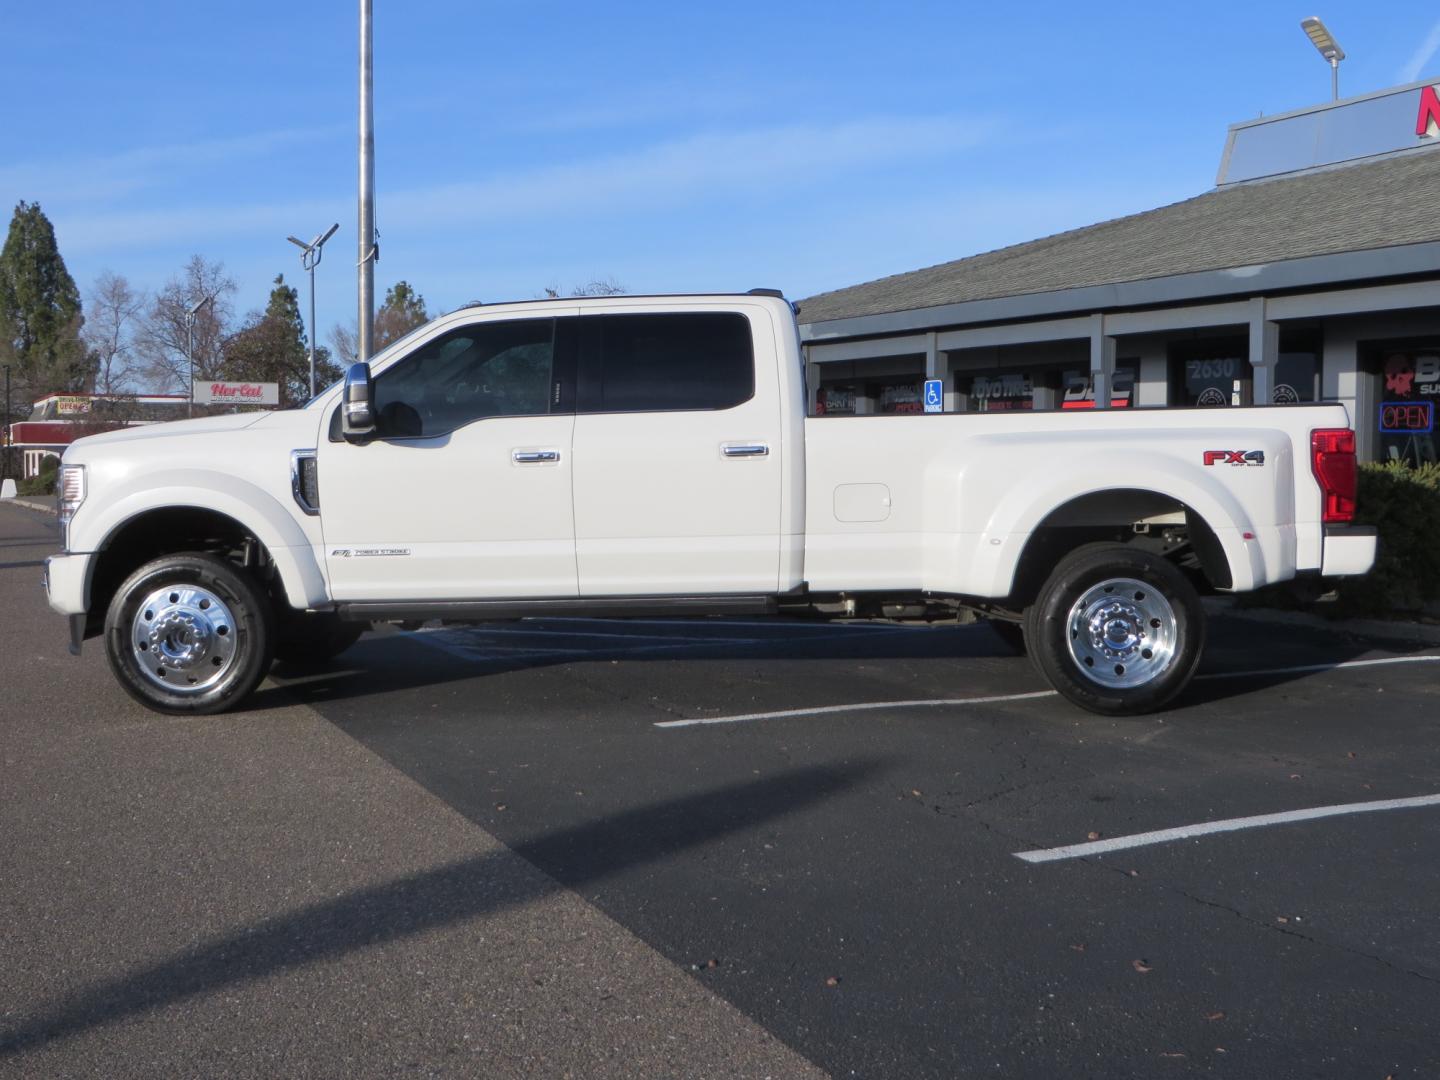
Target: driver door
{"points": [[464, 492]]}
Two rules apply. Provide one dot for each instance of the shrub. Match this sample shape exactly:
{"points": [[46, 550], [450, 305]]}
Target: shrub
{"points": [[1403, 503], [43, 482]]}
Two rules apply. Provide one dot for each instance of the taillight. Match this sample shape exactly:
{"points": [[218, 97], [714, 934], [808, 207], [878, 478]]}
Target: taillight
{"points": [[1332, 457]]}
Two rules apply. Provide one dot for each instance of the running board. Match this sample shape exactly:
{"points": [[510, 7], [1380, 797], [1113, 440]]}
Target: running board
{"points": [[610, 607]]}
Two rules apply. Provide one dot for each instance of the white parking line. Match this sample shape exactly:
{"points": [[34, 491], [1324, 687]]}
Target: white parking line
{"points": [[869, 705], [853, 708], [1302, 668], [1184, 832]]}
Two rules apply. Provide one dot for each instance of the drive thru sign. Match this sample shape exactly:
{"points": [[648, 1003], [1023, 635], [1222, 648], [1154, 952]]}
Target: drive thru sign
{"points": [[934, 395]]}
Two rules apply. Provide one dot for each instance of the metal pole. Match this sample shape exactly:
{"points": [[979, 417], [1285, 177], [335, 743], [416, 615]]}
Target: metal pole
{"points": [[1334, 78], [5, 462], [190, 354], [367, 188], [312, 328]]}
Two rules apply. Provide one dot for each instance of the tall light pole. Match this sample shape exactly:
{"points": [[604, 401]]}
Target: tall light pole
{"points": [[1329, 48], [368, 249], [190, 346], [310, 256]]}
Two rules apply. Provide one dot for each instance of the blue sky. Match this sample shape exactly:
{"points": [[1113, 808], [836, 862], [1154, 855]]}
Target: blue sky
{"points": [[671, 147]]}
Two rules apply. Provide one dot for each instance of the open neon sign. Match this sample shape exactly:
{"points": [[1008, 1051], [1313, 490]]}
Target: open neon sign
{"points": [[1407, 417]]}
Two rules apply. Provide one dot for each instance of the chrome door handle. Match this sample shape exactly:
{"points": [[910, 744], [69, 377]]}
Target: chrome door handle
{"points": [[744, 449], [534, 457]]}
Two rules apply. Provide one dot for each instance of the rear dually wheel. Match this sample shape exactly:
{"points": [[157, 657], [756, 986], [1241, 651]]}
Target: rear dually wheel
{"points": [[1117, 630]]}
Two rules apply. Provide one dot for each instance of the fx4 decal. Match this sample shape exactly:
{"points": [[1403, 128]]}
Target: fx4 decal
{"points": [[1234, 457]]}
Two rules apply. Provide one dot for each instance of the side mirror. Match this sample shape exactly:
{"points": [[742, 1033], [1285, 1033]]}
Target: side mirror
{"points": [[357, 404]]}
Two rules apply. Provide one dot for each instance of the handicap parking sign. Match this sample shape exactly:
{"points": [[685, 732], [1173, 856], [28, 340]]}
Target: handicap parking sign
{"points": [[934, 395]]}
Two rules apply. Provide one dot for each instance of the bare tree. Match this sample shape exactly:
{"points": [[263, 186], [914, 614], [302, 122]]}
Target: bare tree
{"points": [[114, 313], [344, 344], [162, 340], [597, 287], [402, 311]]}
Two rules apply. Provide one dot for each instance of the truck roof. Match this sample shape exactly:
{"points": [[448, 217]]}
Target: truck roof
{"points": [[623, 297]]}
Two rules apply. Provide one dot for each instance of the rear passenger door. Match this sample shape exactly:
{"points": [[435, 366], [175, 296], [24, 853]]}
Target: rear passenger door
{"points": [[677, 453]]}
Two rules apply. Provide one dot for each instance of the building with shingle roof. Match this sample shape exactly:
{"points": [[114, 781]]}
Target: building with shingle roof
{"points": [[1311, 271]]}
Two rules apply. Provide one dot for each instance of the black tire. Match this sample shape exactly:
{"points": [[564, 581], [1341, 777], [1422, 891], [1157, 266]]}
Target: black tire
{"points": [[309, 639], [1011, 633], [1116, 630], [220, 644]]}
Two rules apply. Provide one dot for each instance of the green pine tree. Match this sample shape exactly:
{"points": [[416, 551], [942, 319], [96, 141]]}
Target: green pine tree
{"points": [[40, 316], [272, 347]]}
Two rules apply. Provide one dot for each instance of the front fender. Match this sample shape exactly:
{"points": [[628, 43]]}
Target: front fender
{"points": [[291, 549]]}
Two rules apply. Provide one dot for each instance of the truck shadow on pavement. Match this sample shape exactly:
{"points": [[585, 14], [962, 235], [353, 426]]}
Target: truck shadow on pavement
{"points": [[387, 663], [448, 895]]}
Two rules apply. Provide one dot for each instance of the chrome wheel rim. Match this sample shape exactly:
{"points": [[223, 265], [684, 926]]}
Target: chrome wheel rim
{"points": [[1122, 633], [184, 638]]}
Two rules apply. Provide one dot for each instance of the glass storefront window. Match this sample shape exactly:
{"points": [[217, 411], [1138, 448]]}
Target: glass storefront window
{"points": [[1079, 389], [1408, 399], [1209, 372], [999, 392], [899, 397], [836, 400], [1295, 376]]}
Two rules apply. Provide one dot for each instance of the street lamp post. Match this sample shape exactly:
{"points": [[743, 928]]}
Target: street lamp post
{"points": [[190, 346], [1328, 47], [310, 256], [368, 249]]}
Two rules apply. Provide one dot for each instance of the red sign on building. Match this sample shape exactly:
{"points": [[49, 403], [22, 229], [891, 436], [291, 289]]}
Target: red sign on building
{"points": [[1428, 120]]}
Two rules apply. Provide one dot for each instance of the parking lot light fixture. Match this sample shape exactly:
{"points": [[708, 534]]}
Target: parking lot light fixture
{"points": [[310, 256], [1328, 47]]}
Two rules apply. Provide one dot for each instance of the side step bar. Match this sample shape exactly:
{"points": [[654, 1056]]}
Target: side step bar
{"points": [[609, 607]]}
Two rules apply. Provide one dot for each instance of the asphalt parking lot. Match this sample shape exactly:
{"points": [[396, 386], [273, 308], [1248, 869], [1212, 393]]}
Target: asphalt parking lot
{"points": [[685, 849]]}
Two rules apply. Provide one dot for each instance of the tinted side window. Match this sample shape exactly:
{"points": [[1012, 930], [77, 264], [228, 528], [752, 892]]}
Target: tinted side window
{"points": [[691, 361], [490, 369]]}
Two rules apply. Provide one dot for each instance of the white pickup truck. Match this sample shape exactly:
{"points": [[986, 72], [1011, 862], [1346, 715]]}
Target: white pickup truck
{"points": [[652, 456]]}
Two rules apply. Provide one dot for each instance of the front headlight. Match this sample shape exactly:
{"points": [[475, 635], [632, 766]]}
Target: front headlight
{"points": [[70, 489]]}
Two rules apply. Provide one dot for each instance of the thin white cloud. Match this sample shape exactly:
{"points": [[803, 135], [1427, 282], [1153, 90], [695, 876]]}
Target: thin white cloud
{"points": [[681, 171], [109, 176], [669, 173], [1423, 55]]}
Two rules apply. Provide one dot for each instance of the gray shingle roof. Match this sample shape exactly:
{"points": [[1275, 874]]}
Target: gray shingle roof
{"points": [[1373, 204]]}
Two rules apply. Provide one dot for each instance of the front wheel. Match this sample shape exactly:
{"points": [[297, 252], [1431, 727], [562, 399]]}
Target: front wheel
{"points": [[1117, 630], [189, 634]]}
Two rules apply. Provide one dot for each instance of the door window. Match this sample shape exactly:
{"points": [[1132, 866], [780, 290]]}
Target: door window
{"points": [[476, 371], [665, 362]]}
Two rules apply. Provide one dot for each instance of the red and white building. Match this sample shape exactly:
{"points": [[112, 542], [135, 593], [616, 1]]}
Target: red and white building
{"points": [[59, 419]]}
